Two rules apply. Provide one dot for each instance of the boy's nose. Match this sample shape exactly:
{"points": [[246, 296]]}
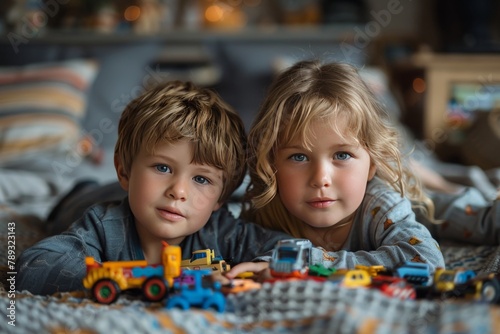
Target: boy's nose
{"points": [[177, 190]]}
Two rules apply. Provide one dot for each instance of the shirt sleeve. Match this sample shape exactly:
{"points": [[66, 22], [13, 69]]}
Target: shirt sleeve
{"points": [[466, 217], [57, 263], [385, 233]]}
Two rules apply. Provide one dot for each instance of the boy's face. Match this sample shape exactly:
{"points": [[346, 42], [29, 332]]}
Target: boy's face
{"points": [[170, 196], [323, 185]]}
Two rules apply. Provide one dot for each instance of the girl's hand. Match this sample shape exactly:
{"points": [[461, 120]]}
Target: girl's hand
{"points": [[259, 269]]}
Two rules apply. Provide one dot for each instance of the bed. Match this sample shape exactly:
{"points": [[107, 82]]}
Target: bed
{"points": [[39, 164]]}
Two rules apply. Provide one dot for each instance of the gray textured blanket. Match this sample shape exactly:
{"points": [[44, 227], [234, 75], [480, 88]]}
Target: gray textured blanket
{"points": [[287, 307], [282, 307]]}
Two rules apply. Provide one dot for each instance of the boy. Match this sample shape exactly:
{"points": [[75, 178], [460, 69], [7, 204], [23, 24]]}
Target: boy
{"points": [[180, 154]]}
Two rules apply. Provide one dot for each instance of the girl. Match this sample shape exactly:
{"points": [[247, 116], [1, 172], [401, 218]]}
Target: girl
{"points": [[325, 165]]}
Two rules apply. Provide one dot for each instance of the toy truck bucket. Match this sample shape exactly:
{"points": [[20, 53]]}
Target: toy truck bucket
{"points": [[90, 262], [172, 258]]}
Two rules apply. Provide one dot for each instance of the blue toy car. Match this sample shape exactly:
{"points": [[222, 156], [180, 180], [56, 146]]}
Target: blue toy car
{"points": [[197, 295], [416, 273]]}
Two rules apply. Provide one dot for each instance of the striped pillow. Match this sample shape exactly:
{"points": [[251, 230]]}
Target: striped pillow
{"points": [[41, 108]]}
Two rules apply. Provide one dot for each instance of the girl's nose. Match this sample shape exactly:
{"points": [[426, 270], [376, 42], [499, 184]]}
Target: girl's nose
{"points": [[322, 175], [177, 189]]}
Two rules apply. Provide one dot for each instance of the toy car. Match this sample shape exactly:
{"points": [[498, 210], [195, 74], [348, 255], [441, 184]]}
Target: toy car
{"points": [[490, 288], [291, 258], [183, 279], [108, 279], [205, 259], [416, 273], [446, 279], [484, 287], [320, 270], [394, 287], [196, 294], [240, 285], [351, 278], [372, 270]]}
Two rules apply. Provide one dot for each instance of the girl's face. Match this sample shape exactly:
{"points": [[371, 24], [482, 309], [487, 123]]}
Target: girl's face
{"points": [[171, 197], [325, 184]]}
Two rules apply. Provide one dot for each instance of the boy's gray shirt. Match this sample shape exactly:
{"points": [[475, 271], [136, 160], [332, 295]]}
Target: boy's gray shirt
{"points": [[107, 232]]}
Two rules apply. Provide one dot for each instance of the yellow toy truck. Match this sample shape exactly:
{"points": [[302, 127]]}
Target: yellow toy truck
{"points": [[205, 259], [106, 280]]}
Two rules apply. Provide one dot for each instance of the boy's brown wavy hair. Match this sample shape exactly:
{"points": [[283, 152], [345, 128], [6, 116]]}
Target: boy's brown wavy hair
{"points": [[176, 111]]}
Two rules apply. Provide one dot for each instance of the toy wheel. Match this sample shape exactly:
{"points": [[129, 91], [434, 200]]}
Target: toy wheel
{"points": [[177, 303], [155, 289], [216, 303], [490, 292], [105, 291]]}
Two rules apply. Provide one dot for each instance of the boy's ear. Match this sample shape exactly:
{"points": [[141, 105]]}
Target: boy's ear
{"points": [[372, 171], [121, 173], [218, 206]]}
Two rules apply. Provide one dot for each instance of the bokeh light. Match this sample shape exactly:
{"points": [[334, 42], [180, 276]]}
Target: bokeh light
{"points": [[419, 85], [132, 13], [214, 13]]}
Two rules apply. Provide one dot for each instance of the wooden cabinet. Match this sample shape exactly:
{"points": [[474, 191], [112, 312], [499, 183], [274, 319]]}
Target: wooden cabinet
{"points": [[442, 73]]}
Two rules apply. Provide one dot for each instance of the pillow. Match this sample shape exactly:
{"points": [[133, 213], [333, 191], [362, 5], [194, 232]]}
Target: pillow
{"points": [[41, 108]]}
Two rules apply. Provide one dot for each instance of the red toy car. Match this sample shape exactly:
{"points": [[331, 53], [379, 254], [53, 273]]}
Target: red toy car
{"points": [[395, 287]]}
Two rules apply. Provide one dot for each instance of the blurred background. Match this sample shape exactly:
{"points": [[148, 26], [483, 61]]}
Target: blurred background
{"points": [[237, 46], [446, 25]]}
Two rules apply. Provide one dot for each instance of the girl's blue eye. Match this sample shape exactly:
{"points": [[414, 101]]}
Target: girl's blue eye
{"points": [[298, 157], [342, 156], [163, 168], [201, 180]]}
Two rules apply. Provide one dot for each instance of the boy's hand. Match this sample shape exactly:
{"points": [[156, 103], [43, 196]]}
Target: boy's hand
{"points": [[218, 277], [260, 270]]}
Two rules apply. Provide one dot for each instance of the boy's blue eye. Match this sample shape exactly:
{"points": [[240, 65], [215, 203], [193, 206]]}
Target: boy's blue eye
{"points": [[342, 156], [163, 168], [201, 180], [298, 157]]}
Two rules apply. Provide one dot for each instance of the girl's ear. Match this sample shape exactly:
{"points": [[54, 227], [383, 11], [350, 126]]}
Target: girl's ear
{"points": [[372, 171], [121, 174]]}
